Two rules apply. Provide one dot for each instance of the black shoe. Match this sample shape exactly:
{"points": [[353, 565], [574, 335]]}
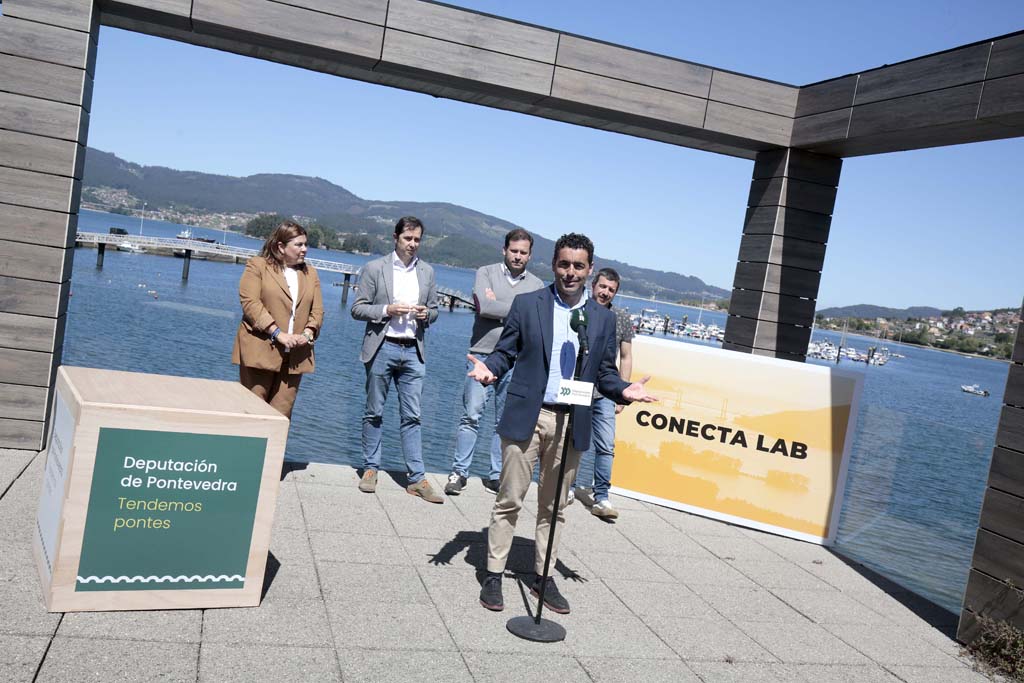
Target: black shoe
{"points": [[553, 600], [490, 593], [491, 485], [456, 482]]}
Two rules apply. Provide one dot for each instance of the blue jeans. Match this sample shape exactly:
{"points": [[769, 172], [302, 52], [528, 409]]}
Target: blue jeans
{"points": [[602, 448], [474, 400], [402, 365]]}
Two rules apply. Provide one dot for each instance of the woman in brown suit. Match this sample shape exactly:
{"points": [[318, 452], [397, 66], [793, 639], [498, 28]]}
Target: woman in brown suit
{"points": [[282, 310]]}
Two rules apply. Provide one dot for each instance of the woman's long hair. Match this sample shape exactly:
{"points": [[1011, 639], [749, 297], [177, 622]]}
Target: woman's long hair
{"points": [[284, 233]]}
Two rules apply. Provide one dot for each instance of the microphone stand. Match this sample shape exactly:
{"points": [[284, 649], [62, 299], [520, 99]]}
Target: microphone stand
{"points": [[533, 627]]}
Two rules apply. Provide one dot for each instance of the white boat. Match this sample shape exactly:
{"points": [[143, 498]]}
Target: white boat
{"points": [[973, 389], [130, 247]]}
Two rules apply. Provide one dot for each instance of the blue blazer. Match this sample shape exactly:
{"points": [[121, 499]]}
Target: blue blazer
{"points": [[526, 343]]}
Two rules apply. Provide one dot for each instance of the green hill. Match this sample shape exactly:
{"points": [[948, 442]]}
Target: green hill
{"points": [[871, 311]]}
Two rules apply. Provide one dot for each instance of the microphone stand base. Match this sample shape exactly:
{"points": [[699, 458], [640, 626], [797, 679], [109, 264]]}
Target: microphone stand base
{"points": [[527, 628]]}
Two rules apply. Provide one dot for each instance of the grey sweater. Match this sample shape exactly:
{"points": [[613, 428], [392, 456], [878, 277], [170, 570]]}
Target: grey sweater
{"points": [[490, 314]]}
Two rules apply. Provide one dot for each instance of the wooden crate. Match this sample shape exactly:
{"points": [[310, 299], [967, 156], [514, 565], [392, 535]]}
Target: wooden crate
{"points": [[158, 492]]}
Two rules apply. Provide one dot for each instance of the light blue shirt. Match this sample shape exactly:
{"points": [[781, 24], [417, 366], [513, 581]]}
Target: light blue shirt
{"points": [[562, 335]]}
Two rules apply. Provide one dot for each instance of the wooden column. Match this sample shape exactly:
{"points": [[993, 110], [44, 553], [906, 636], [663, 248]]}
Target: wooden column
{"points": [[782, 252], [47, 56], [997, 568]]}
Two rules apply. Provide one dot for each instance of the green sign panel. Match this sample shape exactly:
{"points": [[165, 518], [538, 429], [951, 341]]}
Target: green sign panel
{"points": [[170, 511]]}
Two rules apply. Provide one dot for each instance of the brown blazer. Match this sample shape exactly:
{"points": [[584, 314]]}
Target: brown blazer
{"points": [[265, 299]]}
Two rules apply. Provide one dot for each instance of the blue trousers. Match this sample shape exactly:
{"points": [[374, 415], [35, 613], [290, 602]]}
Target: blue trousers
{"points": [[474, 401], [401, 365], [602, 449]]}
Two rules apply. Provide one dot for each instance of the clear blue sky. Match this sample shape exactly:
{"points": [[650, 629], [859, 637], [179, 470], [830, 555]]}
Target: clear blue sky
{"points": [[935, 227]]}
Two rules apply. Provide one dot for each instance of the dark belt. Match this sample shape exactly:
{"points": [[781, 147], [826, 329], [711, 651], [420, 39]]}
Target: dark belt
{"points": [[401, 341], [556, 407]]}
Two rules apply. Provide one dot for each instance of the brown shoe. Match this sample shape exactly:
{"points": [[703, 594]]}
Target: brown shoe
{"points": [[368, 484], [423, 489]]}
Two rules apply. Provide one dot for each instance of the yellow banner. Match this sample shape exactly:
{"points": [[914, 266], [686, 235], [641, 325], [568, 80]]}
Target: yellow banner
{"points": [[755, 441]]}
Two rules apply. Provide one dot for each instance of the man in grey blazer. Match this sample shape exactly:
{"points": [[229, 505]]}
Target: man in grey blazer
{"points": [[397, 298]]}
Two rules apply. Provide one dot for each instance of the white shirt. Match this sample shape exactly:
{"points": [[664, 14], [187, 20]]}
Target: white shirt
{"points": [[292, 278], [407, 291], [512, 279]]}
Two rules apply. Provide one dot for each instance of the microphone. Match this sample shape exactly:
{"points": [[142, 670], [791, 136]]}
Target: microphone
{"points": [[578, 323]]}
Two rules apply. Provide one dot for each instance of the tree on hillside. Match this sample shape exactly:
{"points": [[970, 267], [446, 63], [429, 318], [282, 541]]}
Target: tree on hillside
{"points": [[264, 224]]}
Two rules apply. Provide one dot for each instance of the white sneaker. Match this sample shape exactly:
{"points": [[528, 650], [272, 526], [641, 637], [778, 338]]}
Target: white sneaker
{"points": [[571, 497], [604, 510]]}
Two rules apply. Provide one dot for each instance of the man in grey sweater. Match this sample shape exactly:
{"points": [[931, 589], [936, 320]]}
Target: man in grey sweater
{"points": [[495, 287]]}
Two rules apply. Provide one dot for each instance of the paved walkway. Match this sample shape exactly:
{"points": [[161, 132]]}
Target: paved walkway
{"points": [[383, 587]]}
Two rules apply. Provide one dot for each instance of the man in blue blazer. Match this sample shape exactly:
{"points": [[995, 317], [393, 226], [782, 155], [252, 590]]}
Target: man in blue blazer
{"points": [[538, 339]]}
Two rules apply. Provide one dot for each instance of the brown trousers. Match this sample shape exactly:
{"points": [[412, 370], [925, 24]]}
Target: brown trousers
{"points": [[279, 389]]}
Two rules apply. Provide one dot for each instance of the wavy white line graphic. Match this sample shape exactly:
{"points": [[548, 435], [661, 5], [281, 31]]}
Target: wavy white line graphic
{"points": [[159, 579]]}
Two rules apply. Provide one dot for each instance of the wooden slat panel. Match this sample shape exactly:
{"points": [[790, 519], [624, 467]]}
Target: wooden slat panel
{"points": [[21, 434], [761, 334], [35, 262], [772, 307], [41, 154], [753, 93], [998, 556], [1003, 514], [434, 59], [1010, 433], [796, 194], [787, 222], [799, 165], [748, 123], [31, 297], [473, 30], [43, 117], [370, 11], [1007, 471], [634, 66], [38, 190], [740, 348], [778, 279], [1007, 57], [1003, 97], [1014, 394], [48, 81], [37, 227], [300, 30], [917, 111], [782, 251], [818, 128], [33, 368], [934, 72], [826, 96], [31, 332], [19, 402], [1018, 345], [918, 138], [46, 43], [78, 15], [995, 599], [619, 96], [173, 14], [968, 629]]}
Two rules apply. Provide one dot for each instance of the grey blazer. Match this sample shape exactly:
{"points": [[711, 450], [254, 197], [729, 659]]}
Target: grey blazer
{"points": [[375, 290]]}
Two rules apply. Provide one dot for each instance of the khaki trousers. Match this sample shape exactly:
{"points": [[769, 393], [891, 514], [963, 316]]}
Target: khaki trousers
{"points": [[279, 389], [518, 460]]}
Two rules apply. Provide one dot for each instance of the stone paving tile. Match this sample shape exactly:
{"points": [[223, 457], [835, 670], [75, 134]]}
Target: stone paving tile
{"points": [[289, 578], [388, 626], [324, 514], [843, 576], [744, 672], [930, 674], [289, 510], [84, 659], [666, 541], [695, 524], [698, 571], [802, 643], [828, 606], [337, 546], [20, 657], [291, 543], [23, 494], [325, 474], [737, 603], [267, 663], [623, 566], [790, 548], [516, 668], [904, 608], [412, 519], [169, 626], [627, 670], [624, 502], [23, 610], [708, 638], [595, 535], [593, 599], [293, 622], [781, 574], [364, 586], [891, 645], [736, 548], [383, 666], [11, 465], [832, 673], [591, 636], [659, 599]]}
